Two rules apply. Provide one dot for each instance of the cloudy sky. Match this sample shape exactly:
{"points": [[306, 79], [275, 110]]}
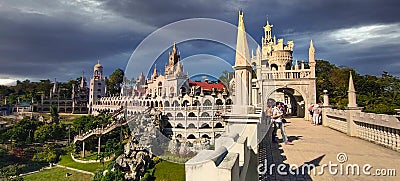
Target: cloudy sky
{"points": [[47, 39]]}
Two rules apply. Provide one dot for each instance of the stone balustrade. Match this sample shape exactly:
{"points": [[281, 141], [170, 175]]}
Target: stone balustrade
{"points": [[287, 74], [380, 129]]}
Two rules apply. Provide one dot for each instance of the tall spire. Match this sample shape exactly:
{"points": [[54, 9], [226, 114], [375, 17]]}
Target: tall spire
{"points": [[83, 80], [352, 93], [154, 72], [242, 50], [55, 86], [311, 52]]}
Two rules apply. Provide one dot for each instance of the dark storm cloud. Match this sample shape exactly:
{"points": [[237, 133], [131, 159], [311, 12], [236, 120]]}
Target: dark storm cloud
{"points": [[53, 38]]}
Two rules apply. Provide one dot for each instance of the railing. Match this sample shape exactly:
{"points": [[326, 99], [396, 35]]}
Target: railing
{"points": [[377, 128], [101, 131], [287, 74]]}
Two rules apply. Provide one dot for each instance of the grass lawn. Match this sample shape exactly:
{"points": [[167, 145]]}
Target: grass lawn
{"points": [[57, 174], [67, 161], [168, 171]]}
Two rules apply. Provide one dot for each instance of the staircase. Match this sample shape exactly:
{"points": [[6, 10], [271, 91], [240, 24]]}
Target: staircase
{"points": [[110, 127]]}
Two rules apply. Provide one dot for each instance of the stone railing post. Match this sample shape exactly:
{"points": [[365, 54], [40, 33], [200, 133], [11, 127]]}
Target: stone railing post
{"points": [[351, 125], [325, 107], [352, 109]]}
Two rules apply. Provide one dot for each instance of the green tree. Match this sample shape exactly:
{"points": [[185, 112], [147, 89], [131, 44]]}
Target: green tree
{"points": [[115, 81], [226, 77]]}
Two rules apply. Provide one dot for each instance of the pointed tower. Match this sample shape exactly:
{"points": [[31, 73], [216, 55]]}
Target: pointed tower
{"points": [[97, 86], [83, 81], [268, 33], [154, 75], [243, 70], [352, 94], [311, 59]]}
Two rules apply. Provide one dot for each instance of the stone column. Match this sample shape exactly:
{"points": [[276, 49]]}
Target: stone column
{"points": [[83, 149], [99, 146], [325, 108], [352, 109]]}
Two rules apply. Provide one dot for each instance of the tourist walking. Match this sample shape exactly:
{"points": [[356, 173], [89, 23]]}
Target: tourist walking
{"points": [[316, 112], [277, 116]]}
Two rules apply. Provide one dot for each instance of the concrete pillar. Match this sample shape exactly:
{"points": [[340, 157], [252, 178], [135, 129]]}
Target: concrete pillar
{"points": [[83, 149], [352, 109], [326, 98], [99, 146], [351, 125], [325, 108]]}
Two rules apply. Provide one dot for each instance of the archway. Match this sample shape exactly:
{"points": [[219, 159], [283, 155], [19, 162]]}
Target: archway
{"points": [[294, 100], [191, 114], [191, 136], [191, 125]]}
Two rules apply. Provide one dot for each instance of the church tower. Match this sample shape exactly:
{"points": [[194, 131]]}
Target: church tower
{"points": [[97, 85], [243, 70]]}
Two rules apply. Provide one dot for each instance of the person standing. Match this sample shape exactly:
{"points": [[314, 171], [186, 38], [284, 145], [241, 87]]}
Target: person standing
{"points": [[277, 116], [317, 111]]}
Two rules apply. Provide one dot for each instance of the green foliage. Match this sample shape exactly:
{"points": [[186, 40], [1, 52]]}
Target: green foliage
{"points": [[113, 176], [27, 90], [226, 77], [54, 114], [115, 82], [22, 132], [376, 94], [10, 172], [47, 155], [50, 132]]}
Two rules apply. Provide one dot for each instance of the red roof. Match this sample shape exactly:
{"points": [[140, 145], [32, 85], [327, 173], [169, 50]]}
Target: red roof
{"points": [[143, 91], [207, 85]]}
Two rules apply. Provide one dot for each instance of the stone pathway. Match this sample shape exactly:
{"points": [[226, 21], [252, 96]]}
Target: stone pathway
{"points": [[319, 145]]}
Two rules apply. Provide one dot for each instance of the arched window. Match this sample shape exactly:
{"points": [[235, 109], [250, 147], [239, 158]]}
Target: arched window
{"points": [[191, 125], [274, 67], [207, 103], [191, 114]]}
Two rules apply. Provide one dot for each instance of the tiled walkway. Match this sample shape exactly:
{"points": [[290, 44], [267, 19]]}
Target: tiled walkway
{"points": [[319, 145]]}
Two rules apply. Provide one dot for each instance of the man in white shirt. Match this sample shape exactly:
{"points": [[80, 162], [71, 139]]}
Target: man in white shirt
{"points": [[277, 116]]}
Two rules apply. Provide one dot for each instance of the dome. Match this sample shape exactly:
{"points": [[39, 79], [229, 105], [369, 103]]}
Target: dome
{"points": [[98, 65]]}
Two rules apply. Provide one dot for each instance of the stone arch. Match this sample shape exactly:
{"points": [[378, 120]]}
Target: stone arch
{"points": [[179, 114], [185, 103], [191, 136], [191, 125], [169, 115], [196, 103], [274, 67], [176, 103], [166, 103], [205, 125], [207, 102], [191, 114], [228, 102], [305, 98], [205, 114], [218, 125], [219, 102], [288, 66], [179, 125], [205, 136]]}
